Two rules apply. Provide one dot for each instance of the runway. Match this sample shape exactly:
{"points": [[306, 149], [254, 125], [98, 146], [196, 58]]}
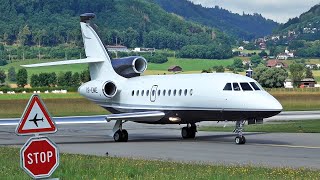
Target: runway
{"points": [[164, 142]]}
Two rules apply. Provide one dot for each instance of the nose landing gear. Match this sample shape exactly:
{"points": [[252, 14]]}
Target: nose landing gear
{"points": [[189, 132], [240, 139]]}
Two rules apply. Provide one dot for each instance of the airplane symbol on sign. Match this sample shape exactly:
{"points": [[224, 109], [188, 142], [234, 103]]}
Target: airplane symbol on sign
{"points": [[35, 120]]}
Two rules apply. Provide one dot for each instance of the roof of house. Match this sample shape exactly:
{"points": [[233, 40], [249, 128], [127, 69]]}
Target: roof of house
{"points": [[308, 80], [173, 67], [275, 62]]}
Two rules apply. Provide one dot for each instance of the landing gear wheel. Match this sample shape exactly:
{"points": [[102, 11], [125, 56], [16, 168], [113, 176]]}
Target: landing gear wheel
{"points": [[124, 135], [192, 132], [117, 136], [240, 140], [121, 136], [185, 133], [189, 132]]}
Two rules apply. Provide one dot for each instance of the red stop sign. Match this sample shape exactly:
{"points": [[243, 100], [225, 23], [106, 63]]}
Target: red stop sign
{"points": [[39, 157]]}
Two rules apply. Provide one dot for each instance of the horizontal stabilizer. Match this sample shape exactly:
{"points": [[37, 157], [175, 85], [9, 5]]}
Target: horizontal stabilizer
{"points": [[149, 116], [77, 61]]}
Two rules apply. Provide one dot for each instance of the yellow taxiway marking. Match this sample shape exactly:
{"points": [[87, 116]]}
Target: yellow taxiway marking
{"points": [[288, 146]]}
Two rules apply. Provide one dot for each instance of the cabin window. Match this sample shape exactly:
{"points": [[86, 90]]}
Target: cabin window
{"points": [[132, 93], [180, 92], [227, 87], [159, 92], [174, 92], [255, 87], [138, 93], [169, 92], [236, 87], [246, 87], [153, 92], [185, 92], [142, 92], [148, 92], [164, 92], [191, 92]]}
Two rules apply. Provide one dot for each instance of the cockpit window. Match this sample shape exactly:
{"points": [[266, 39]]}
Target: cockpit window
{"points": [[227, 87], [236, 87], [246, 87], [255, 87]]}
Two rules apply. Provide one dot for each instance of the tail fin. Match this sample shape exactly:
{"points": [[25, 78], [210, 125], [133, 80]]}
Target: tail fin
{"points": [[97, 56], [95, 49]]}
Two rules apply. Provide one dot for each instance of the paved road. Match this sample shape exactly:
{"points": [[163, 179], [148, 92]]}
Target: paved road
{"points": [[164, 142]]}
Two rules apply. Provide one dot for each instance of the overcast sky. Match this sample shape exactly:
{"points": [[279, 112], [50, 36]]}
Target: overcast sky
{"points": [[277, 10]]}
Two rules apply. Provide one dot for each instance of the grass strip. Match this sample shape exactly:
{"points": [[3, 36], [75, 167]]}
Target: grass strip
{"points": [[306, 126], [94, 167]]}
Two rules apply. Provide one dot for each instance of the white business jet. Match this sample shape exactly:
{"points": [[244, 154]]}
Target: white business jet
{"points": [[117, 86]]}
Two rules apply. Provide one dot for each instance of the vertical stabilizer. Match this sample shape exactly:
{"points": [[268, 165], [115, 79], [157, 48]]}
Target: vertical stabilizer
{"points": [[95, 49]]}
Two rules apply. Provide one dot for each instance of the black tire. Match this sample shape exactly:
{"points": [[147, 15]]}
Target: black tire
{"points": [[243, 140], [240, 140], [117, 136], [192, 132], [185, 133], [124, 135]]}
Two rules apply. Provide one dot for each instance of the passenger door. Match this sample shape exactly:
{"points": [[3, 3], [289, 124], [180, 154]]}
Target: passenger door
{"points": [[153, 93]]}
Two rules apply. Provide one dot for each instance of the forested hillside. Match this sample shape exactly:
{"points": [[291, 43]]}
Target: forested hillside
{"points": [[242, 26], [305, 27], [127, 22]]}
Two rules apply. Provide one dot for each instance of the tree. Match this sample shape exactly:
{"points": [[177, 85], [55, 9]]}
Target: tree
{"points": [[24, 35], [22, 77], [296, 73], [75, 79], [270, 77], [68, 79], [12, 76], [219, 69], [255, 60], [34, 81], [2, 76], [237, 63], [309, 73], [85, 76], [61, 80], [263, 53]]}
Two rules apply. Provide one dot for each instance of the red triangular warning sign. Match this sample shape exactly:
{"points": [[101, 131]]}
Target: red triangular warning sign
{"points": [[35, 119]]}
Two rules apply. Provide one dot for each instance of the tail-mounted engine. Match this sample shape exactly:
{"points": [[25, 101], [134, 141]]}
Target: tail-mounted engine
{"points": [[129, 67], [109, 89]]}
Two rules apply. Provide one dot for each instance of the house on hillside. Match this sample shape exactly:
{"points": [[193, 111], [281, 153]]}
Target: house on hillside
{"points": [[175, 69], [276, 63], [117, 48], [307, 82]]}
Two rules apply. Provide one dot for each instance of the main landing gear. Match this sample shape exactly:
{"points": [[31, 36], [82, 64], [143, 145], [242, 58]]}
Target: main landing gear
{"points": [[189, 132], [119, 134], [240, 139]]}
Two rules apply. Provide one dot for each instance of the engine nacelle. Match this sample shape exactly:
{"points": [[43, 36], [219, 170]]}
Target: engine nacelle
{"points": [[129, 67], [109, 89], [98, 89]]}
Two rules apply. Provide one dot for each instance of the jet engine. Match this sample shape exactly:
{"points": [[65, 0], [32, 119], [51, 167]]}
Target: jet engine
{"points": [[109, 89], [129, 67]]}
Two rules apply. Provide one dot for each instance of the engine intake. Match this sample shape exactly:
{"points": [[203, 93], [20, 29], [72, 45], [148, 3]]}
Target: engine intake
{"points": [[129, 67], [109, 89]]}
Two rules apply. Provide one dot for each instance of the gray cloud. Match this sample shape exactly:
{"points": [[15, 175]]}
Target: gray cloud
{"points": [[278, 10]]}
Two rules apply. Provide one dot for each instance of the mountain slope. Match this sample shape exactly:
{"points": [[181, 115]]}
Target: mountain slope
{"points": [[126, 22], [245, 26], [305, 27]]}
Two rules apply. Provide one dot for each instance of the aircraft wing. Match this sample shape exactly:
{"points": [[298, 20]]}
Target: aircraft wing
{"points": [[149, 116]]}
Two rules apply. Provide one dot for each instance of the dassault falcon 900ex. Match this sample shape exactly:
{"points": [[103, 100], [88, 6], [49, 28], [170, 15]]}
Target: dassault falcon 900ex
{"points": [[117, 86]]}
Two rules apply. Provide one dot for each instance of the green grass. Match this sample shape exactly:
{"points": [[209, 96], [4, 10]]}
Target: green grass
{"points": [[20, 96], [94, 167], [306, 126], [190, 64]]}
